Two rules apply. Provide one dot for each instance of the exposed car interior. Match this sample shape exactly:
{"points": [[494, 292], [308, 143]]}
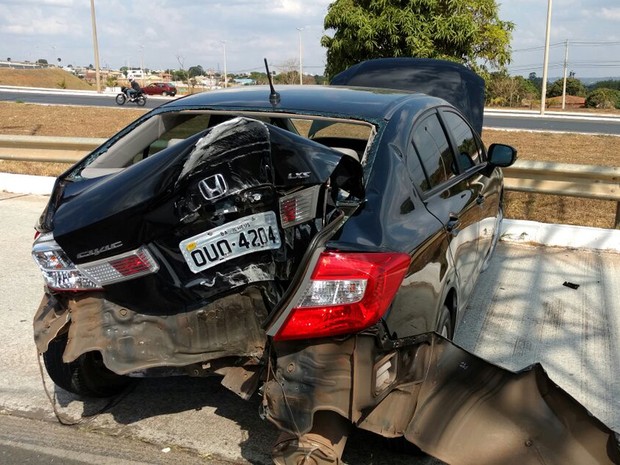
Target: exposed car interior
{"points": [[164, 130]]}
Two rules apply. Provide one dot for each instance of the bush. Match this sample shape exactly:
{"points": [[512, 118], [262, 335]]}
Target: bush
{"points": [[573, 87], [507, 91], [603, 98]]}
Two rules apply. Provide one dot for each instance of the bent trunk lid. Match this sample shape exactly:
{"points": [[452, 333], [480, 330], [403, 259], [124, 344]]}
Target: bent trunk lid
{"points": [[444, 79]]}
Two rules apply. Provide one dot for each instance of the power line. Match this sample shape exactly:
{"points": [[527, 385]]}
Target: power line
{"points": [[538, 48], [588, 44], [578, 43]]}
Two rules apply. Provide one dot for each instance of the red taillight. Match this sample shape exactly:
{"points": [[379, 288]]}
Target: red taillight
{"points": [[347, 293], [131, 265], [288, 210]]}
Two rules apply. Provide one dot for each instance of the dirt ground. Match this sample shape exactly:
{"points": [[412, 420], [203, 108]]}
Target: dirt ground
{"points": [[31, 119]]}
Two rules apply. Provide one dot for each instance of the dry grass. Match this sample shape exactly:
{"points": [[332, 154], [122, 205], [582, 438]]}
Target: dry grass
{"points": [[561, 148], [51, 78], [66, 121], [31, 119]]}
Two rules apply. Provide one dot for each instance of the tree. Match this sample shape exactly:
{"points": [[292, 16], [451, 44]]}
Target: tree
{"points": [[573, 87], [465, 31], [536, 82], [603, 98], [289, 73], [608, 84], [184, 75], [179, 75], [194, 71], [259, 78], [320, 80], [504, 90]]}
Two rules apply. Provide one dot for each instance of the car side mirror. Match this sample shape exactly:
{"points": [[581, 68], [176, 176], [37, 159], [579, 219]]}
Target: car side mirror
{"points": [[502, 155]]}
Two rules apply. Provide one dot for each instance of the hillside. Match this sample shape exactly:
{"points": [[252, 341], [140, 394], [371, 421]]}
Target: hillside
{"points": [[51, 78]]}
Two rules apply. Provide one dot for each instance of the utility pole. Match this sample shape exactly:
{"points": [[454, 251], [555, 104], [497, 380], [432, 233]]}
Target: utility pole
{"points": [[565, 75], [546, 62], [95, 46], [301, 66], [225, 71], [142, 64]]}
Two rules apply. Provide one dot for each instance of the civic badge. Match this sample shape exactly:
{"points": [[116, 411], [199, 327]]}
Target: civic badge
{"points": [[213, 187]]}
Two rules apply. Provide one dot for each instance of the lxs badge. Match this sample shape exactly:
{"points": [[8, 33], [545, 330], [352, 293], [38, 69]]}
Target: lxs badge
{"points": [[302, 175]]}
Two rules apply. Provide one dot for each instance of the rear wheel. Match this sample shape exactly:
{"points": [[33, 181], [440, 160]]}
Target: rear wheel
{"points": [[121, 99], [87, 376], [164, 93], [445, 327]]}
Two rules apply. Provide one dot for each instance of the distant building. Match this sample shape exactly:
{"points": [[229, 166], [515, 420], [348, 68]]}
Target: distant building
{"points": [[136, 73], [245, 81]]}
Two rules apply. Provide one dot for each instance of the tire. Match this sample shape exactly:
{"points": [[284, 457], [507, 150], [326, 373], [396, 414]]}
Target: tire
{"points": [[121, 99], [445, 326], [165, 94], [140, 101], [87, 376]]}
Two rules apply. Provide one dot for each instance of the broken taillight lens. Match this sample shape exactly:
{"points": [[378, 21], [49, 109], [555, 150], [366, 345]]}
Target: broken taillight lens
{"points": [[299, 207], [121, 267], [347, 292], [61, 274]]}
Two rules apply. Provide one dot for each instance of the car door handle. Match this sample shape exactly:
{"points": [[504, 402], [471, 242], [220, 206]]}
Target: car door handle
{"points": [[480, 199], [453, 224]]}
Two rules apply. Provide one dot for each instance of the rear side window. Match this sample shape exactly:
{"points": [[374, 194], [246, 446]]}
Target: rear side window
{"points": [[434, 153], [467, 147]]}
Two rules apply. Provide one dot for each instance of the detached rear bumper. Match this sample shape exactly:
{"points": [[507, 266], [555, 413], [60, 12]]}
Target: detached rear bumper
{"points": [[131, 341], [452, 404]]}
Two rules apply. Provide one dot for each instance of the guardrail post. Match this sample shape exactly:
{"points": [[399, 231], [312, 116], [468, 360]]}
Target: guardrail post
{"points": [[617, 225]]}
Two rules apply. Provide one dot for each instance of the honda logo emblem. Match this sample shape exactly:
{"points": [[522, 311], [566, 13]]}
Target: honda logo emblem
{"points": [[213, 187]]}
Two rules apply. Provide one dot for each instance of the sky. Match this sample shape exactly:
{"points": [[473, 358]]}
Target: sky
{"points": [[238, 34]]}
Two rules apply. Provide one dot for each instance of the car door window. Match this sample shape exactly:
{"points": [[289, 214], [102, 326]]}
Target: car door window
{"points": [[467, 147], [432, 148]]}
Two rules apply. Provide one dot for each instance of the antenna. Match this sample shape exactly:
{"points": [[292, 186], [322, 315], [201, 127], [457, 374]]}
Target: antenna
{"points": [[274, 97]]}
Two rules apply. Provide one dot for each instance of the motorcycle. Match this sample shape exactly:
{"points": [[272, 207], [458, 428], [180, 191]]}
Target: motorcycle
{"points": [[139, 98]]}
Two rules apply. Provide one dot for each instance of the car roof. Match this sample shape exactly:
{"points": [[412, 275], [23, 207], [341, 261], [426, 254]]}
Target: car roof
{"points": [[337, 101]]}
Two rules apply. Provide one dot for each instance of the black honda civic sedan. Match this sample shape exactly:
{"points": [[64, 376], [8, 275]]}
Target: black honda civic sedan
{"points": [[300, 240]]}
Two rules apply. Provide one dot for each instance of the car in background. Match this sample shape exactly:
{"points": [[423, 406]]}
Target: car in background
{"points": [[160, 88]]}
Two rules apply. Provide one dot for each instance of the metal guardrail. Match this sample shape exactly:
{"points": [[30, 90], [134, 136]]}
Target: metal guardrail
{"points": [[50, 149], [586, 181]]}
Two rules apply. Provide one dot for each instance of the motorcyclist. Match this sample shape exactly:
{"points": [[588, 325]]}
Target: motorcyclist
{"points": [[134, 88]]}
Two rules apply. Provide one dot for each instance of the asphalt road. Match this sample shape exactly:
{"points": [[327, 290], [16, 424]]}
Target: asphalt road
{"points": [[73, 98], [521, 313], [492, 119], [535, 122]]}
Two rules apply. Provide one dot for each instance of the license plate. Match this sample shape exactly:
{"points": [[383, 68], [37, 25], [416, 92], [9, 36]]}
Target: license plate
{"points": [[246, 235]]}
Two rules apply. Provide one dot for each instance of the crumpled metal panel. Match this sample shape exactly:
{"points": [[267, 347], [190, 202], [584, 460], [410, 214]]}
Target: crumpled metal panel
{"points": [[470, 411], [307, 381], [449, 402], [50, 318], [131, 341]]}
